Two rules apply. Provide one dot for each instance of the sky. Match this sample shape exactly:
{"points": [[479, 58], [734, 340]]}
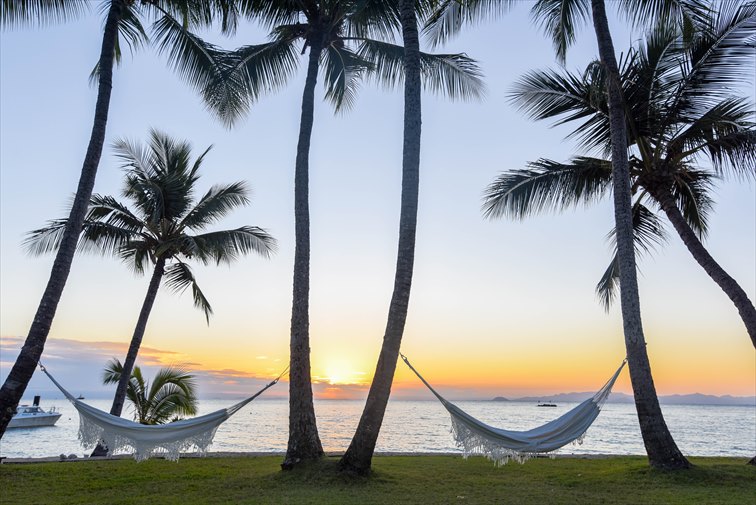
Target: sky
{"points": [[498, 307]]}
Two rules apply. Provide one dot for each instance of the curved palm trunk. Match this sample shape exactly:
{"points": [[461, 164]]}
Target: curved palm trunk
{"points": [[731, 288], [23, 369], [359, 456], [136, 338], [304, 443], [660, 447], [136, 342]]}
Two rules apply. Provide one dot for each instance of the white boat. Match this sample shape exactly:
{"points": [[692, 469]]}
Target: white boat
{"points": [[31, 416]]}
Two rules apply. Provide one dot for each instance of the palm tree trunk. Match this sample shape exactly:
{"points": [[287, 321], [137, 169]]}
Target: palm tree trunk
{"points": [[136, 338], [731, 288], [660, 447], [359, 455], [23, 369], [304, 442], [136, 342]]}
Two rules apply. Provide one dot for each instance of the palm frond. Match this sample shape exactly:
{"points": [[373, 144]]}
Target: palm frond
{"points": [[719, 57], [564, 96], [250, 72], [449, 16], [130, 29], [111, 374], [227, 245], [215, 204], [19, 13], [47, 239], [724, 133], [648, 233], [690, 190], [342, 71], [455, 75], [547, 185], [280, 12], [178, 277], [560, 19], [172, 393], [652, 12], [200, 64], [374, 19], [608, 287]]}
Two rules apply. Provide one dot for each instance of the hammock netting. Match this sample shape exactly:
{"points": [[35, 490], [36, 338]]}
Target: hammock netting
{"points": [[166, 440], [475, 437]]}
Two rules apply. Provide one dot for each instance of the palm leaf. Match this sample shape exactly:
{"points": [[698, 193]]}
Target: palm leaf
{"points": [[455, 75], [19, 13], [342, 71], [249, 72], [227, 245], [719, 57], [690, 191], [215, 204], [547, 185], [560, 19], [448, 17], [648, 233], [178, 277], [199, 63]]}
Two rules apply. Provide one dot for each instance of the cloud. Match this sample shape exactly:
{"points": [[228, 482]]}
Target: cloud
{"points": [[78, 365]]}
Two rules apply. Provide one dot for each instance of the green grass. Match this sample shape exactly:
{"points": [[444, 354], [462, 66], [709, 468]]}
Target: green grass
{"points": [[395, 480]]}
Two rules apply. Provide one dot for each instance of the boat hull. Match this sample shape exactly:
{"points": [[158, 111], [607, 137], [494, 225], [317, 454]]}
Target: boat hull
{"points": [[34, 421]]}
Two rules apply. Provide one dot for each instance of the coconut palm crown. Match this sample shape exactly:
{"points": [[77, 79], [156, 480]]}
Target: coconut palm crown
{"points": [[686, 130], [160, 182], [171, 395]]}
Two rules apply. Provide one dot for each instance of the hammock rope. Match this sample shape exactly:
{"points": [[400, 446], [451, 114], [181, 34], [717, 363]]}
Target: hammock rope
{"points": [[167, 440], [499, 445]]}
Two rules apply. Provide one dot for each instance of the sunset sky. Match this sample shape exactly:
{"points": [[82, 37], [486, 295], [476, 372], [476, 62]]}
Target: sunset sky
{"points": [[498, 307]]}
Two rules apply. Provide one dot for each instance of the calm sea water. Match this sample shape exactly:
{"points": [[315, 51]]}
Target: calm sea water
{"points": [[423, 426]]}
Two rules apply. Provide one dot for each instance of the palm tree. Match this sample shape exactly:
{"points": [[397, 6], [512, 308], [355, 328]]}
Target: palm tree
{"points": [[172, 394], [358, 457], [336, 34], [160, 181], [679, 110], [560, 18], [188, 54]]}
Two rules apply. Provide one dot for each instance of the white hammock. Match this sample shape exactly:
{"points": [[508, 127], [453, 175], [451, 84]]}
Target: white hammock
{"points": [[476, 437], [167, 440]]}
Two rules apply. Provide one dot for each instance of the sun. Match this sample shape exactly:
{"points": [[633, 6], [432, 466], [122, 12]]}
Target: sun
{"points": [[340, 373]]}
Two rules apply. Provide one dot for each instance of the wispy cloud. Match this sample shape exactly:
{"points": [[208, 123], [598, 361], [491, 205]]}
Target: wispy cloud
{"points": [[78, 366]]}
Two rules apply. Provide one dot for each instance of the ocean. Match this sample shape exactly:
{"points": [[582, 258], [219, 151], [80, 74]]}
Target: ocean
{"points": [[423, 427]]}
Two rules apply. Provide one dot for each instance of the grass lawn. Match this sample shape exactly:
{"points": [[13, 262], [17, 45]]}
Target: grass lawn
{"points": [[395, 480]]}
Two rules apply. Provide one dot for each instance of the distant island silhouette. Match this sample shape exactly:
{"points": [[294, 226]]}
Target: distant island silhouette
{"points": [[689, 399]]}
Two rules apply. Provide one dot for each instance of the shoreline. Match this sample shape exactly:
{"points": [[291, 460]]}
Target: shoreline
{"points": [[328, 454]]}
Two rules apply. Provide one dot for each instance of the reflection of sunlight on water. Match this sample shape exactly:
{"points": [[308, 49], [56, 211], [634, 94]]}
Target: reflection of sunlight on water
{"points": [[423, 426]]}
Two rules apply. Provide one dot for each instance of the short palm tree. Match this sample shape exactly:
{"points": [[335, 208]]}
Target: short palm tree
{"points": [[172, 394], [191, 57], [681, 114], [335, 32], [163, 228]]}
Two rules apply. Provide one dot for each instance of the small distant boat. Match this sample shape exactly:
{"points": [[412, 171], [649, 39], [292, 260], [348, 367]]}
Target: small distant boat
{"points": [[32, 416], [547, 404], [80, 397]]}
